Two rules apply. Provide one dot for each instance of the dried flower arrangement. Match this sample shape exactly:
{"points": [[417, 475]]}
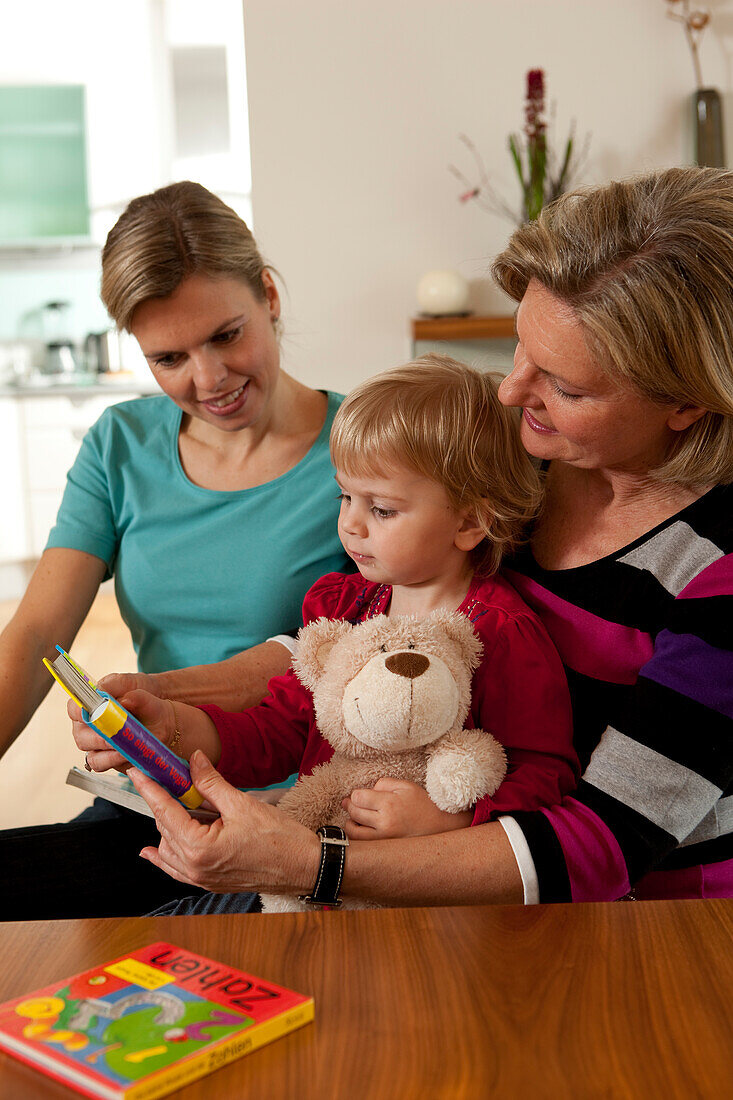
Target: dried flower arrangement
{"points": [[542, 176], [706, 101], [694, 22]]}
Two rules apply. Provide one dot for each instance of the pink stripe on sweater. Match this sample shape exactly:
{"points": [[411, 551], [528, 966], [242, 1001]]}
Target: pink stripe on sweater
{"points": [[716, 580], [587, 643], [597, 870], [596, 867], [711, 880]]}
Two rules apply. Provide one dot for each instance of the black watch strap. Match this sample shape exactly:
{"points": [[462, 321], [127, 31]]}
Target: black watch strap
{"points": [[334, 843]]}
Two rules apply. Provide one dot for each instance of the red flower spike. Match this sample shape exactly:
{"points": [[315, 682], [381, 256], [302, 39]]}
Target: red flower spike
{"points": [[542, 175], [534, 126], [535, 84]]}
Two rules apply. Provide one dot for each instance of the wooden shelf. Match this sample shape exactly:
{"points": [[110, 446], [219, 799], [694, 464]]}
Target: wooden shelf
{"points": [[472, 327]]}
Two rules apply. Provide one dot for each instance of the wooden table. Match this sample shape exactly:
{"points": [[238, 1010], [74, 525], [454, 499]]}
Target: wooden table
{"points": [[604, 1001]]}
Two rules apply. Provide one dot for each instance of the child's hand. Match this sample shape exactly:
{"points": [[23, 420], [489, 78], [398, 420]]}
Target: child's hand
{"points": [[396, 808], [157, 714]]}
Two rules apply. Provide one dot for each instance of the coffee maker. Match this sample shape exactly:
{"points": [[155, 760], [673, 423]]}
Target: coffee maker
{"points": [[102, 352], [61, 355]]}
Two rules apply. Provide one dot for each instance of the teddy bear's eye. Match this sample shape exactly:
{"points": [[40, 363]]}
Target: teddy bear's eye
{"points": [[383, 648], [410, 645]]}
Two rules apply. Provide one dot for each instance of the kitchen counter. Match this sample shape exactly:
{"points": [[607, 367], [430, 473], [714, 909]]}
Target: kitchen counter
{"points": [[42, 424], [89, 386]]}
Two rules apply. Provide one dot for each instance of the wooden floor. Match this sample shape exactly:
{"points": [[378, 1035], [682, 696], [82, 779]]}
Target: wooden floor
{"points": [[33, 771]]}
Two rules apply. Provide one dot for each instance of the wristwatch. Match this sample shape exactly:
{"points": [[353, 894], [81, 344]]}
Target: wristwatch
{"points": [[334, 843]]}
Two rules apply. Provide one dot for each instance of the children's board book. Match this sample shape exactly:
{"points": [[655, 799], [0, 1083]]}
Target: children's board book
{"points": [[115, 787], [147, 1023], [123, 731]]}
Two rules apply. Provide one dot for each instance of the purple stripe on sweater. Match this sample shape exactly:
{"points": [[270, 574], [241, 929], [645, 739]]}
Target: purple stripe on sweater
{"points": [[587, 643], [596, 867], [691, 667], [715, 580]]}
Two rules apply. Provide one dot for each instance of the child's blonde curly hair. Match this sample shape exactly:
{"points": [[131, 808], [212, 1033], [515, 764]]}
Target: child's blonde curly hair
{"points": [[444, 420]]}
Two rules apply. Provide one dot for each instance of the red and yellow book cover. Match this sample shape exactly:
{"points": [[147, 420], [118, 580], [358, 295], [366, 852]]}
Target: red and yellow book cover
{"points": [[147, 1023]]}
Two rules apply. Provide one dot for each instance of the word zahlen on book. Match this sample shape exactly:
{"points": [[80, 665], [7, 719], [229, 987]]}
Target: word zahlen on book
{"points": [[189, 967]]}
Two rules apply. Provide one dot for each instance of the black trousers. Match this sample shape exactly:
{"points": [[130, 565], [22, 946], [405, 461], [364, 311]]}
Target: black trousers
{"points": [[88, 867]]}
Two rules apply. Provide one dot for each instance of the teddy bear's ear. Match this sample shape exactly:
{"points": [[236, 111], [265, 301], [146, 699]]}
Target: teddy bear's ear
{"points": [[459, 630], [315, 642]]}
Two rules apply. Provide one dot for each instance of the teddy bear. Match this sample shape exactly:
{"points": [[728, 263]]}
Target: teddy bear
{"points": [[391, 696]]}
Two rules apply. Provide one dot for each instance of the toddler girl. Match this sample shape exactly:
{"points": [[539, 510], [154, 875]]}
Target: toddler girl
{"points": [[435, 488]]}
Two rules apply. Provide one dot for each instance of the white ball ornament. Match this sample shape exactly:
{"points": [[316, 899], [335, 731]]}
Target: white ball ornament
{"points": [[440, 293]]}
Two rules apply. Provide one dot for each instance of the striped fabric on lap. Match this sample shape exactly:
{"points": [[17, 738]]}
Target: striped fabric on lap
{"points": [[591, 851], [717, 849], [674, 726], [712, 880], [549, 858], [671, 796], [647, 638], [716, 823]]}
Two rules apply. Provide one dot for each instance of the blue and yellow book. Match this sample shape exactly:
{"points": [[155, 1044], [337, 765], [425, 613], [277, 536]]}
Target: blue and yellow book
{"points": [[123, 731]]}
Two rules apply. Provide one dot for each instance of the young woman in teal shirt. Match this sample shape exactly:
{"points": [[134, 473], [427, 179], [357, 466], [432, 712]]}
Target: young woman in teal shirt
{"points": [[213, 507]]}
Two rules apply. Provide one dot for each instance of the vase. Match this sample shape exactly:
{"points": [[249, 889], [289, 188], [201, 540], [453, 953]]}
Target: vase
{"points": [[443, 294], [708, 111]]}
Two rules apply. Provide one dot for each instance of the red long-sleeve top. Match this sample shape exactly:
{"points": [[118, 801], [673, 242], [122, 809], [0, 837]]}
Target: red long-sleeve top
{"points": [[519, 694]]}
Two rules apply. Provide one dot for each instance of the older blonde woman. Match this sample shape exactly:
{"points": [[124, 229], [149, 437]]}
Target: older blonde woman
{"points": [[624, 374]]}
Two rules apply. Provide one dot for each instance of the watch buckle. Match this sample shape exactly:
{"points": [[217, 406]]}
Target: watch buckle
{"points": [[308, 899]]}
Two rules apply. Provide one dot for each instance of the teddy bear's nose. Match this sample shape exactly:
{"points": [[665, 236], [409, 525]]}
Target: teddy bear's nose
{"points": [[408, 664]]}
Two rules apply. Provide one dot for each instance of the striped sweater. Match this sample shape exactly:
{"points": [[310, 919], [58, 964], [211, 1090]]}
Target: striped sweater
{"points": [[646, 636]]}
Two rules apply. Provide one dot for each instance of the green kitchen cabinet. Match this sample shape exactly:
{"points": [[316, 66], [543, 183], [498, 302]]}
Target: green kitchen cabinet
{"points": [[43, 169]]}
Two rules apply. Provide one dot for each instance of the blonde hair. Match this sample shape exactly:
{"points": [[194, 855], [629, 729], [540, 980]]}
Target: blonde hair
{"points": [[646, 265], [162, 238], [445, 421]]}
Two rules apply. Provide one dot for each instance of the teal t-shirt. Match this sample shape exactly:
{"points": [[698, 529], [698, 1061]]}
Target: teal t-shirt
{"points": [[199, 574]]}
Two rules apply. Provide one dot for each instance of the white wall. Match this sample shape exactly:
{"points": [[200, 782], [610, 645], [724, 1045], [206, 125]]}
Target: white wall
{"points": [[355, 111]]}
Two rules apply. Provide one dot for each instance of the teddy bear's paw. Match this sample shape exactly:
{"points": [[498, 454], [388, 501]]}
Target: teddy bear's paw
{"points": [[449, 789], [281, 903], [464, 768], [286, 903]]}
